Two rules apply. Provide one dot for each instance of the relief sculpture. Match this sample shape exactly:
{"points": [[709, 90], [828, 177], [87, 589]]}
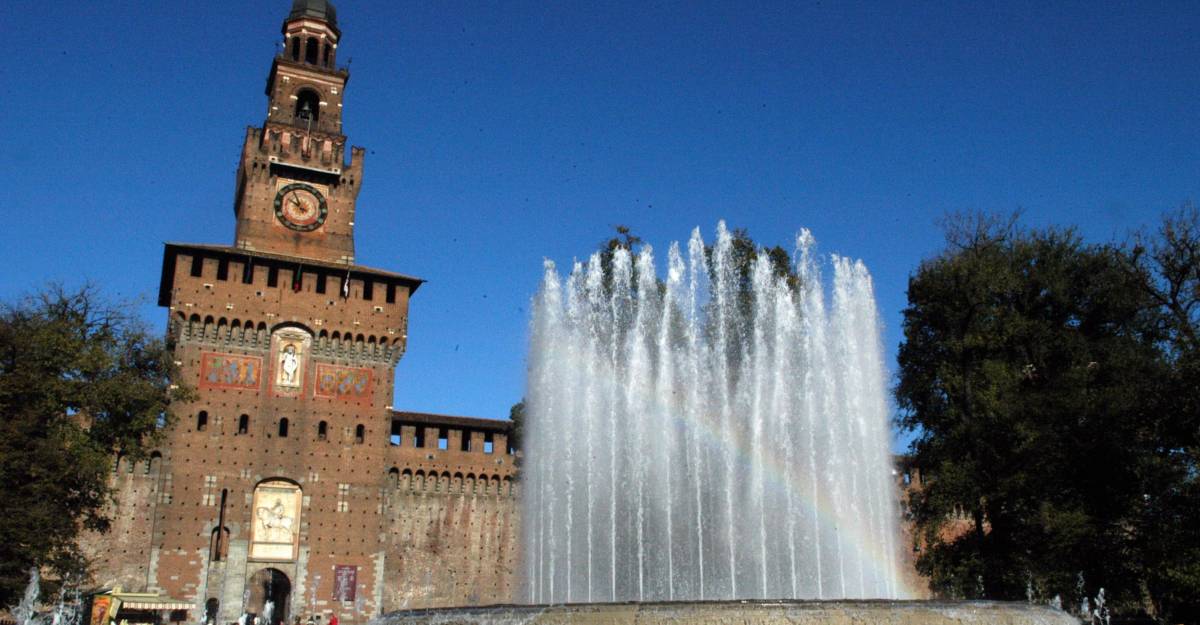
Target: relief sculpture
{"points": [[290, 346], [276, 515]]}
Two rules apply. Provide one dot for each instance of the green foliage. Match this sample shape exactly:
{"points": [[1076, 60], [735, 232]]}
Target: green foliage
{"points": [[1045, 381], [516, 436], [81, 382], [745, 251]]}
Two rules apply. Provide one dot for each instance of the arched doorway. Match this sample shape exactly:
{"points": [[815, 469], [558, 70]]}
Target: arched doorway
{"points": [[211, 607], [270, 585]]}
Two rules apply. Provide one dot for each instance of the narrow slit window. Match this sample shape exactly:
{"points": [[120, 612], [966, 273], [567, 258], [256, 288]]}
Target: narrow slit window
{"points": [[197, 266], [360, 434], [394, 437], [443, 438], [487, 443], [322, 431], [223, 269], [244, 424], [466, 440], [273, 277], [202, 421], [283, 427]]}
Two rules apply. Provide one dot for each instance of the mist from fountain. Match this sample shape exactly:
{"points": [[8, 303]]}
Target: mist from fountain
{"points": [[707, 436], [64, 611]]}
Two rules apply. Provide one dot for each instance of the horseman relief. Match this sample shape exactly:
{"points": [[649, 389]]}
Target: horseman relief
{"points": [[276, 521]]}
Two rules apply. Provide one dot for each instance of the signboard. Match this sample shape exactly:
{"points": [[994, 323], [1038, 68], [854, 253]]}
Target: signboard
{"points": [[104, 609], [230, 371], [345, 581]]}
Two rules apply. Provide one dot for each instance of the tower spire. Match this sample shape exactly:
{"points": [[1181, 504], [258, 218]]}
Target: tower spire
{"points": [[296, 193]]}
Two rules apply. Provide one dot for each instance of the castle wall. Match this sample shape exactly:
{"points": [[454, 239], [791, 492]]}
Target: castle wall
{"points": [[450, 542], [122, 555], [298, 481]]}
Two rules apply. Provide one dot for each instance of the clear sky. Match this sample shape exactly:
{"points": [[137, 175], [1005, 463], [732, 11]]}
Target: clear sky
{"points": [[502, 133]]}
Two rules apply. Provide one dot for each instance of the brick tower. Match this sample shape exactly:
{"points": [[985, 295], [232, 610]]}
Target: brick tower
{"points": [[290, 480], [294, 195]]}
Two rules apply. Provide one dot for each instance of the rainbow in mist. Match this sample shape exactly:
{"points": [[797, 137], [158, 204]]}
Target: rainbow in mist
{"points": [[708, 435]]}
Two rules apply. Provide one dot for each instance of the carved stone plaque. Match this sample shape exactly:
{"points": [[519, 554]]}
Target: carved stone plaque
{"points": [[276, 521]]}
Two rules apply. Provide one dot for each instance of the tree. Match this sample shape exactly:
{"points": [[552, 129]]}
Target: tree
{"points": [[745, 251], [1167, 265], [1034, 377], [516, 435], [81, 383]]}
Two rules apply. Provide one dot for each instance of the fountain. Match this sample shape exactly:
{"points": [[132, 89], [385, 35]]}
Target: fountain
{"points": [[712, 436], [710, 447], [65, 610]]}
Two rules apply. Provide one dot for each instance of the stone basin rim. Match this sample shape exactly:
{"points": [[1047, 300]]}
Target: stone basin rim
{"points": [[809, 604]]}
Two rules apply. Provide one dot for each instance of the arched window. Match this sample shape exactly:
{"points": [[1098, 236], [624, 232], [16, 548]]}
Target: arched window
{"points": [[202, 421], [360, 434], [295, 48], [310, 50], [322, 431], [244, 424], [308, 106], [327, 49], [283, 427]]}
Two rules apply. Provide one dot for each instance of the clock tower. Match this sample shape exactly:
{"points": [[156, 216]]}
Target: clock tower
{"points": [[294, 193], [288, 486]]}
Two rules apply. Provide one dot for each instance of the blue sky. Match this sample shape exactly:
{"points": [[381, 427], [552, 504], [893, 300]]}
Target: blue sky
{"points": [[499, 134]]}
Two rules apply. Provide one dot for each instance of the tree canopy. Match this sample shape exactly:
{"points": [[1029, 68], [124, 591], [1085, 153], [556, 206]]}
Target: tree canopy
{"points": [[81, 383], [1051, 388]]}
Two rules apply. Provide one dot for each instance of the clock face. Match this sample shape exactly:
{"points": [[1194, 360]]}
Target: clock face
{"points": [[300, 207]]}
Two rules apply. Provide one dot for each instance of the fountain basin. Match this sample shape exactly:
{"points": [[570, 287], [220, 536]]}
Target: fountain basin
{"points": [[756, 612]]}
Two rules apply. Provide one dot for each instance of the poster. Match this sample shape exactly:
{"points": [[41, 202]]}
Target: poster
{"points": [[345, 581], [104, 608]]}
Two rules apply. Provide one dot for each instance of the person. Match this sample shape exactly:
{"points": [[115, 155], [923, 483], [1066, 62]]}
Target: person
{"points": [[333, 620]]}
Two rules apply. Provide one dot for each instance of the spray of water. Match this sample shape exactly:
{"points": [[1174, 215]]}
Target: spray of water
{"points": [[710, 435], [65, 610]]}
